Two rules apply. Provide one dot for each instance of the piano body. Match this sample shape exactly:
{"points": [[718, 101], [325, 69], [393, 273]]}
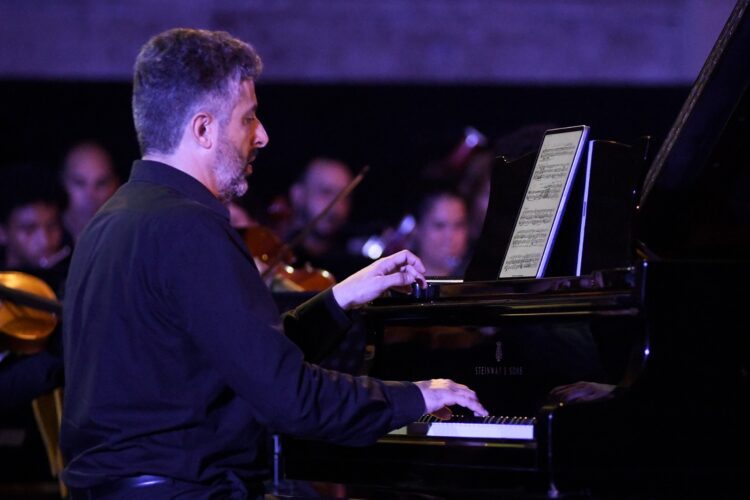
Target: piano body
{"points": [[655, 323]]}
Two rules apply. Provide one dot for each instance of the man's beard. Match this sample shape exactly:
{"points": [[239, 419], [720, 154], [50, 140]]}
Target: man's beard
{"points": [[230, 172]]}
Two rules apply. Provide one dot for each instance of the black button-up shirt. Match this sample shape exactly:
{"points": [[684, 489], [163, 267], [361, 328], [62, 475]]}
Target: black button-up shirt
{"points": [[175, 359]]}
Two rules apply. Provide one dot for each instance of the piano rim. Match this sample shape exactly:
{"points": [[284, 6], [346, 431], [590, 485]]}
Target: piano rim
{"points": [[576, 304]]}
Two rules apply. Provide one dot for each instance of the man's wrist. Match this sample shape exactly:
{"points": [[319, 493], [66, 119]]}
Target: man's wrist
{"points": [[341, 297]]}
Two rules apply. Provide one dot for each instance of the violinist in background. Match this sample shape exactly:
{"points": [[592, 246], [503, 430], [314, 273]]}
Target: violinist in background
{"points": [[89, 178], [325, 245], [31, 239]]}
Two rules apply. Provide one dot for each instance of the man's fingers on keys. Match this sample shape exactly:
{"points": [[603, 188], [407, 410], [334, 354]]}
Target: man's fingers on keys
{"points": [[468, 399], [443, 413]]}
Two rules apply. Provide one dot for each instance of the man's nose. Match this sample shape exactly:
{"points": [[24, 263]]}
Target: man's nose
{"points": [[261, 136]]}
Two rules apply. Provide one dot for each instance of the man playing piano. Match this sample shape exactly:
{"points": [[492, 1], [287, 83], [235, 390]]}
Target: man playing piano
{"points": [[176, 365]]}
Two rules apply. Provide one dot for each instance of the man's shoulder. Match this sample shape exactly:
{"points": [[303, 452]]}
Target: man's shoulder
{"points": [[151, 216], [156, 203]]}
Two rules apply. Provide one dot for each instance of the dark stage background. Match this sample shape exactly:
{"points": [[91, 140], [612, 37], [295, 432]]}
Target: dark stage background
{"points": [[396, 129]]}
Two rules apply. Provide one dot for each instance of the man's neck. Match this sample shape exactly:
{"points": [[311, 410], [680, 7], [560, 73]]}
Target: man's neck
{"points": [[188, 164]]}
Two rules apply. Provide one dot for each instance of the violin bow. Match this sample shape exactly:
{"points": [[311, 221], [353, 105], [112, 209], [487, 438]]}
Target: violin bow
{"points": [[300, 236], [22, 298]]}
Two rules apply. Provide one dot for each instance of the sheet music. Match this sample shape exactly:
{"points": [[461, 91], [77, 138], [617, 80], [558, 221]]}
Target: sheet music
{"points": [[541, 207]]}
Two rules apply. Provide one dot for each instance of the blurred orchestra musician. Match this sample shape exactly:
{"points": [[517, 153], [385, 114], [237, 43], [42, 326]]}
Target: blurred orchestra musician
{"points": [[89, 177], [324, 246], [31, 242], [31, 230], [441, 235]]}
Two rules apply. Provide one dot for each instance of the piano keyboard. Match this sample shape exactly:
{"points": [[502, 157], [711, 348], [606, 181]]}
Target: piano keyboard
{"points": [[460, 426]]}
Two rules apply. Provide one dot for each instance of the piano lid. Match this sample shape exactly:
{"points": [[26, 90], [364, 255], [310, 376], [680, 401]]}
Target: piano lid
{"points": [[695, 200]]}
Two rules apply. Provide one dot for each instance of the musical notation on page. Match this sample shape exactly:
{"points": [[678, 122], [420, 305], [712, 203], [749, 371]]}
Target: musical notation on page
{"points": [[541, 209]]}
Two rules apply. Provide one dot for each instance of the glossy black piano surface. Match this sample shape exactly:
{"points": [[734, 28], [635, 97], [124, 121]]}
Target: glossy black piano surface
{"points": [[664, 332], [662, 321]]}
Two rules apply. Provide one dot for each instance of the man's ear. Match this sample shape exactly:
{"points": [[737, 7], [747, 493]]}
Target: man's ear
{"points": [[203, 129]]}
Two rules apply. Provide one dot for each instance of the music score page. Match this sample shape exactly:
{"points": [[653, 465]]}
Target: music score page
{"points": [[542, 207]]}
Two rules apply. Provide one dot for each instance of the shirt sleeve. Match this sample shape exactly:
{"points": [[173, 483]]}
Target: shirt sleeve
{"points": [[317, 326], [230, 316]]}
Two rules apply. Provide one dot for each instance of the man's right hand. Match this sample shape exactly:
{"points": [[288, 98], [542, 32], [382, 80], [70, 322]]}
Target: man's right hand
{"points": [[398, 270], [439, 393]]}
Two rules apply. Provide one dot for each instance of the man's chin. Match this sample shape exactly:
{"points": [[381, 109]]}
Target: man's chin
{"points": [[234, 191]]}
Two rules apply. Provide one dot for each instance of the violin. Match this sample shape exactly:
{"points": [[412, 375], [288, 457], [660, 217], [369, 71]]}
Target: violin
{"points": [[275, 261], [29, 312]]}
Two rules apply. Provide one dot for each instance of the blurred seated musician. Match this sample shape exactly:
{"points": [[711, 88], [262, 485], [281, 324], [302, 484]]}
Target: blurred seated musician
{"points": [[441, 236], [31, 241], [90, 179], [177, 363], [31, 231], [325, 244]]}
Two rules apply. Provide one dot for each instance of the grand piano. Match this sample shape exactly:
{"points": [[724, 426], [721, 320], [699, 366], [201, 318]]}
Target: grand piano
{"points": [[653, 328]]}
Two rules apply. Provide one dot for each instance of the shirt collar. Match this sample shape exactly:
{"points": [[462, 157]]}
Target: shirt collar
{"points": [[161, 173]]}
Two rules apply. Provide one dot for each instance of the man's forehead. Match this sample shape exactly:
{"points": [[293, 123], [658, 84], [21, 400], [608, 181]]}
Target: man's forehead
{"points": [[247, 97]]}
